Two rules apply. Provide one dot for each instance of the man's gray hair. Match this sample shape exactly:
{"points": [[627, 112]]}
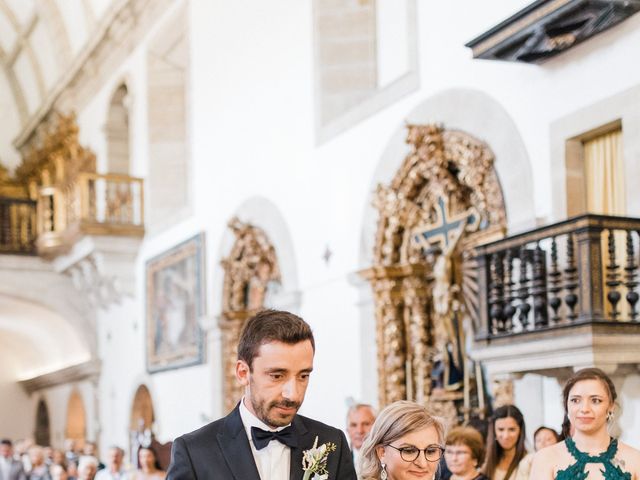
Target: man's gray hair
{"points": [[357, 406]]}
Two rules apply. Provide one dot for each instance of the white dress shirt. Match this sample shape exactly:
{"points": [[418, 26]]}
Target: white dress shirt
{"points": [[356, 459], [5, 467], [274, 460]]}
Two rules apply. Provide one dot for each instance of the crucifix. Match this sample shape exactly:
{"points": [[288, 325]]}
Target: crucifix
{"points": [[447, 229], [440, 239]]}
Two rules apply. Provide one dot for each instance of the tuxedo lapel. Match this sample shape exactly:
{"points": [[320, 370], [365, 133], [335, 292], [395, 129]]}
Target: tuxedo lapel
{"points": [[235, 447], [305, 442]]}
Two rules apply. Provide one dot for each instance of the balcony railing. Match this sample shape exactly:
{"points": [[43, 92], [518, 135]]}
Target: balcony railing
{"points": [[96, 204], [17, 226], [582, 270]]}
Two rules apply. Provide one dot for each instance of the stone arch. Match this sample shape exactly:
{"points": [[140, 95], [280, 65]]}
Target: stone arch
{"points": [[42, 434], [258, 271], [76, 426], [443, 200], [142, 414], [117, 132]]}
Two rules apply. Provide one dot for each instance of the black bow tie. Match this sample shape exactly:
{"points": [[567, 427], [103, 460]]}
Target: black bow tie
{"points": [[286, 436]]}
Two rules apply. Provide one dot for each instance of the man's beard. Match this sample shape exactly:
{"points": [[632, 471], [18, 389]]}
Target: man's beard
{"points": [[263, 409]]}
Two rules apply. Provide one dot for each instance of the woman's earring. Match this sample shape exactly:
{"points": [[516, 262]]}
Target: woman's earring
{"points": [[383, 472], [609, 416]]}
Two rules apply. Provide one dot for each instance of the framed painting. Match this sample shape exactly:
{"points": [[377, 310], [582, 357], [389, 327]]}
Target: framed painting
{"points": [[175, 301]]}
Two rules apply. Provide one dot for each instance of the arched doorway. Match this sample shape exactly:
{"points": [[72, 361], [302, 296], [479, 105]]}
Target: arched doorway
{"points": [[76, 428], [141, 429], [443, 200], [142, 416], [43, 429]]}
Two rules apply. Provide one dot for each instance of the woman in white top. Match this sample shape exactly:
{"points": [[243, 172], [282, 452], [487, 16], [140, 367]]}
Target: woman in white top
{"points": [[507, 457]]}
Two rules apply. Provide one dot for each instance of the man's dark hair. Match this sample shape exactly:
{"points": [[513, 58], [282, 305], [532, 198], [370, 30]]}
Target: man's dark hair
{"points": [[271, 326], [6, 441]]}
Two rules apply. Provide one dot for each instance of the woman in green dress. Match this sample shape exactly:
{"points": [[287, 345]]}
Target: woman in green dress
{"points": [[589, 400]]}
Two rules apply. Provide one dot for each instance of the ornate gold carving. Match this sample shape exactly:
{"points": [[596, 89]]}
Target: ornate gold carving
{"points": [[444, 200], [55, 156], [59, 174], [502, 391], [250, 268]]}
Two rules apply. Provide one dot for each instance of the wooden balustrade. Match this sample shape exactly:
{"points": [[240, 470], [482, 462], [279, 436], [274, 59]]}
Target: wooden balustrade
{"points": [[95, 204], [17, 226], [114, 200], [581, 270]]}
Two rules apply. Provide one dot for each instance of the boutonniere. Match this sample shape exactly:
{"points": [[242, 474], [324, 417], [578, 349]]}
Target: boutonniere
{"points": [[314, 461]]}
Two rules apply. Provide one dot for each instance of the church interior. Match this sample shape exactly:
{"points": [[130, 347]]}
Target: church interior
{"points": [[443, 190]]}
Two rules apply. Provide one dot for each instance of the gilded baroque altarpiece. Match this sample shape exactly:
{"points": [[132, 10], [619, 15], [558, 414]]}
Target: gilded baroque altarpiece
{"points": [[444, 200]]}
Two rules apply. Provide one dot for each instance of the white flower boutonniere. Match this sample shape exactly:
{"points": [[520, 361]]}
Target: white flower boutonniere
{"points": [[314, 461]]}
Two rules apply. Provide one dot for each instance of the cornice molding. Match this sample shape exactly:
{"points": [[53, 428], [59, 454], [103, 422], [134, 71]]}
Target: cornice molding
{"points": [[89, 370], [547, 28]]}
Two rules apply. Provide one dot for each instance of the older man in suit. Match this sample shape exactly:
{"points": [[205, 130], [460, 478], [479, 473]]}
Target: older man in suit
{"points": [[10, 468], [264, 438]]}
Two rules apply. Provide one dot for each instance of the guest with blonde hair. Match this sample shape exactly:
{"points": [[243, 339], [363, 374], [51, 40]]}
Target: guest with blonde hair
{"points": [[405, 440]]}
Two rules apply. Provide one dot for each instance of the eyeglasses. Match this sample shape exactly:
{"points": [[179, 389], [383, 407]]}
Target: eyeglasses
{"points": [[432, 453], [456, 453]]}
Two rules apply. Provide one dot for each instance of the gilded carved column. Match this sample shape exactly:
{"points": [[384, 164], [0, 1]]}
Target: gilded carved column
{"points": [[444, 199], [231, 326], [390, 335], [418, 326], [249, 268]]}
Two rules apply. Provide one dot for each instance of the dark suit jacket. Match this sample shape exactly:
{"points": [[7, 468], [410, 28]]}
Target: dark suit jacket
{"points": [[221, 451]]}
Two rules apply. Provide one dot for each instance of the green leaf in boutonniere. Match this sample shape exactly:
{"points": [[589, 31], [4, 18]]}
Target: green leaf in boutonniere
{"points": [[314, 461]]}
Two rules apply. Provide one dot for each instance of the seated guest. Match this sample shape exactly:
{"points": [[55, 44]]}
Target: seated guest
{"points": [[149, 468], [90, 449], [58, 458], [10, 468], [360, 418], [39, 469], [464, 453], [58, 472], [507, 457], [70, 450], [404, 442], [543, 437], [72, 468], [87, 467], [113, 470], [589, 398]]}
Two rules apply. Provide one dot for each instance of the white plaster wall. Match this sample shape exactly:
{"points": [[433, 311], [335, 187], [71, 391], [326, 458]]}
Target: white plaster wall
{"points": [[628, 415], [17, 415]]}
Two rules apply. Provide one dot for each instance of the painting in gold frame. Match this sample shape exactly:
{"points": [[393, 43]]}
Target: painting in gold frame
{"points": [[175, 302]]}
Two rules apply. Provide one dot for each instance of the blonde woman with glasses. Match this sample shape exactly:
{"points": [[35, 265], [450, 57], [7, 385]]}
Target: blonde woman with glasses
{"points": [[405, 442]]}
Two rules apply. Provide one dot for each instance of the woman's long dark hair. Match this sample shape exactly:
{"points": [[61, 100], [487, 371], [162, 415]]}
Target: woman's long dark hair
{"points": [[495, 451], [156, 462]]}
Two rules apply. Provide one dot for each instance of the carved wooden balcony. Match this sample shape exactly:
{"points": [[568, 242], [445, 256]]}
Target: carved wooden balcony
{"points": [[17, 226], [564, 295], [96, 204]]}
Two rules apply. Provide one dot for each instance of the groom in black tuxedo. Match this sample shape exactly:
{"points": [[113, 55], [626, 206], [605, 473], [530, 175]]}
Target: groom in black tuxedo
{"points": [[264, 438]]}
